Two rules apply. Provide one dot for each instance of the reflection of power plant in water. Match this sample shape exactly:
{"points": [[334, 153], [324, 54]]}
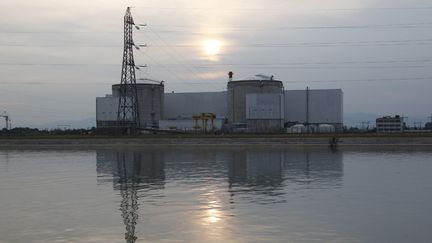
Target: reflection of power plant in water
{"points": [[131, 171], [255, 168], [193, 165], [264, 170], [267, 171], [5, 153], [321, 167], [259, 175]]}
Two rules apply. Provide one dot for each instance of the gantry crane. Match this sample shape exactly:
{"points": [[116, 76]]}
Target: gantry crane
{"points": [[204, 118]]}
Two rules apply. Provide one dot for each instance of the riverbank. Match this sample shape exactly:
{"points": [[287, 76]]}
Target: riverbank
{"points": [[222, 140]]}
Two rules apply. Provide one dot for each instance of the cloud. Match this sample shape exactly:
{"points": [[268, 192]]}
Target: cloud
{"points": [[90, 32], [213, 75]]}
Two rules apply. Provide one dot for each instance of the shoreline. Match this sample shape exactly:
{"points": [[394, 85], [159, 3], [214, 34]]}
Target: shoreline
{"points": [[240, 140]]}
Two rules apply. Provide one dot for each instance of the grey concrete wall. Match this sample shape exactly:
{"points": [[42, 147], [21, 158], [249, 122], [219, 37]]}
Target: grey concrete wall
{"points": [[265, 106], [150, 103], [106, 108], [325, 106], [264, 126], [187, 104]]}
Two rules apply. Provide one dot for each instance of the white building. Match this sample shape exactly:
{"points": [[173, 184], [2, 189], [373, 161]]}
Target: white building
{"points": [[390, 124]]}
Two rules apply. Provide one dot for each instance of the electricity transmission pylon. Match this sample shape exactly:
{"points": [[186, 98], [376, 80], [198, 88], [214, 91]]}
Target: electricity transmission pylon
{"points": [[128, 112]]}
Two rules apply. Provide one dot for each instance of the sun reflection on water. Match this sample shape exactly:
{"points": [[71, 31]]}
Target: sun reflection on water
{"points": [[213, 215], [212, 212]]}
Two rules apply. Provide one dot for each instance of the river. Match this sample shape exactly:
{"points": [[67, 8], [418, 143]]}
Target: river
{"points": [[204, 194]]}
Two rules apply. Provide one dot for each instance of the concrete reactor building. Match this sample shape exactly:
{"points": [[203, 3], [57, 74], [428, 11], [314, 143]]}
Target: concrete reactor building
{"points": [[150, 103], [257, 104]]}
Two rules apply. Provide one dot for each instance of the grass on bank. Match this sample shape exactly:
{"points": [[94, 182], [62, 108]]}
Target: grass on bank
{"points": [[214, 136]]}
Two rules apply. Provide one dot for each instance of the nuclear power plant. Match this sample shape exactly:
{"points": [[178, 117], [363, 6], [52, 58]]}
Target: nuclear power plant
{"points": [[257, 104]]}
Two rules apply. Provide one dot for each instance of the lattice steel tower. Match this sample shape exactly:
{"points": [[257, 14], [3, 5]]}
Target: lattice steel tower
{"points": [[128, 112]]}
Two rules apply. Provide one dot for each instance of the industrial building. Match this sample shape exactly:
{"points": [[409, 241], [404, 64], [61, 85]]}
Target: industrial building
{"points": [[256, 104], [150, 103], [390, 124]]}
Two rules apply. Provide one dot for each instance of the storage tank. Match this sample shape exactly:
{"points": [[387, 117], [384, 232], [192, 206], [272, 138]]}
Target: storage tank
{"points": [[238, 89], [299, 128], [150, 102], [326, 128]]}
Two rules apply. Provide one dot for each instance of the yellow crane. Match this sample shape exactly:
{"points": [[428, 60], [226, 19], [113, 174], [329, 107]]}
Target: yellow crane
{"points": [[204, 118]]}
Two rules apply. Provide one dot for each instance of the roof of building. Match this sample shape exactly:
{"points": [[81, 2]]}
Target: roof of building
{"points": [[257, 77]]}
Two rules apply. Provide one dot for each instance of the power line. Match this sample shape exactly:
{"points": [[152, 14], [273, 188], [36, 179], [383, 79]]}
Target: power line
{"points": [[332, 67], [173, 56], [168, 67], [327, 62], [272, 10], [246, 28], [350, 62], [360, 26], [425, 8], [57, 32], [363, 80], [68, 83], [170, 71], [60, 46], [328, 44], [163, 66], [406, 42], [59, 64]]}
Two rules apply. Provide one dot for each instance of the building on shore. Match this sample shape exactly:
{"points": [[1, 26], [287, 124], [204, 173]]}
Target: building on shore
{"points": [[150, 103], [428, 126], [390, 124], [257, 104]]}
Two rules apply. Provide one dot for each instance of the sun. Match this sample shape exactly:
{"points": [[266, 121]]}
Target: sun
{"points": [[212, 47]]}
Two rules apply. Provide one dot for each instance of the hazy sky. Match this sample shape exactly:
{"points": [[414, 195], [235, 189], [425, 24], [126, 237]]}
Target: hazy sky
{"points": [[57, 56]]}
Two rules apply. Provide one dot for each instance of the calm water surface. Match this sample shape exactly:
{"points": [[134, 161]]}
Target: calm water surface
{"points": [[215, 195]]}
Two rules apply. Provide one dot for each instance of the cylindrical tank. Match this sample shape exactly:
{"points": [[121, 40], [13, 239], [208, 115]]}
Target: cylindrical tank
{"points": [[150, 102], [299, 128], [326, 128], [238, 89]]}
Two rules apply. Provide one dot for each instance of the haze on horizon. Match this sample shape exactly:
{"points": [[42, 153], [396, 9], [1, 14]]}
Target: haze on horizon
{"points": [[57, 56]]}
